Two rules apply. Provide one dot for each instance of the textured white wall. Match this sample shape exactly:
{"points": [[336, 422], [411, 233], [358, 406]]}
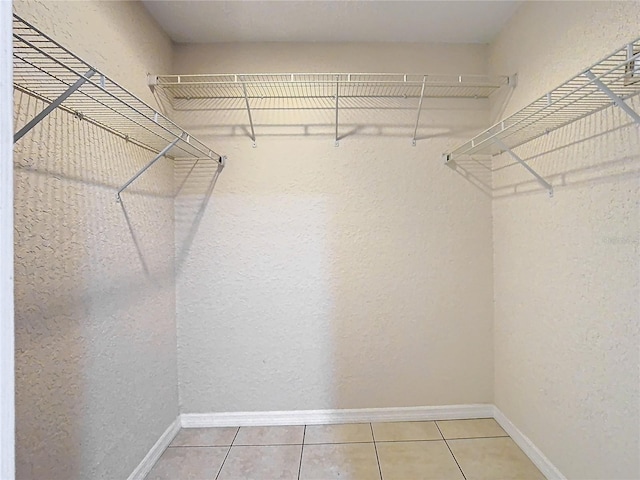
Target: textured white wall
{"points": [[96, 371], [567, 293], [324, 277]]}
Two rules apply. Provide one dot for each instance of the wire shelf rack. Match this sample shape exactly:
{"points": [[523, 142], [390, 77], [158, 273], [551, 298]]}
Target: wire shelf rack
{"points": [[211, 91], [48, 71], [608, 82], [325, 85]]}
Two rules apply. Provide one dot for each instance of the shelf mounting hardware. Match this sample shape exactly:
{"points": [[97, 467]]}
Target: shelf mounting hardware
{"points": [[615, 98], [52, 106], [337, 97], [415, 130], [162, 153], [246, 101], [541, 180]]}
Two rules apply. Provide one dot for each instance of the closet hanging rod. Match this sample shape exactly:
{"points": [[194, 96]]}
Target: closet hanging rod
{"points": [[48, 71]]}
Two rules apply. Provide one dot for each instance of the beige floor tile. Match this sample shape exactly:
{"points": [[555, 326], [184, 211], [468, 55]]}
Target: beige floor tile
{"points": [[493, 459], [403, 431], [205, 437], [188, 463], [270, 435], [417, 461], [346, 461], [347, 433], [476, 428], [276, 462]]}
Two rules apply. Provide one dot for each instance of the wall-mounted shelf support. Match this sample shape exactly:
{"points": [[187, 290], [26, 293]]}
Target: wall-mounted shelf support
{"points": [[541, 180], [161, 154], [415, 130], [337, 98], [52, 106], [615, 98], [246, 100]]}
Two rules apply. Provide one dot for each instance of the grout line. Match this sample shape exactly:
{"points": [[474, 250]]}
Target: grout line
{"points": [[198, 446], [304, 432], [266, 444], [478, 438], [376, 449], [228, 451], [335, 443], [451, 451], [411, 441]]}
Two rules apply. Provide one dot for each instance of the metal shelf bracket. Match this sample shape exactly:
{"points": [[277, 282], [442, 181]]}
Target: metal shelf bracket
{"points": [[162, 153], [415, 130], [246, 100], [541, 180], [52, 106], [615, 98]]}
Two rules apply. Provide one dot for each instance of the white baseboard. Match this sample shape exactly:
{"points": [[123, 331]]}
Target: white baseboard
{"points": [[356, 415], [538, 458], [156, 451], [365, 415]]}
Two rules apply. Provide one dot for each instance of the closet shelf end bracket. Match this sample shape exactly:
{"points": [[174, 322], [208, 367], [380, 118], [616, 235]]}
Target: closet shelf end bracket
{"points": [[513, 155], [52, 106], [161, 154], [615, 98]]}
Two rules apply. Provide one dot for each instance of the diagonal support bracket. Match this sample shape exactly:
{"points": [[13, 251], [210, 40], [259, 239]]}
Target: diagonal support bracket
{"points": [[615, 98], [246, 101], [541, 180], [415, 130], [162, 153], [52, 106]]}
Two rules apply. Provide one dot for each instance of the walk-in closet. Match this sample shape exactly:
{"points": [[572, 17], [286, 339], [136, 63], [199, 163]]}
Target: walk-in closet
{"points": [[359, 240]]}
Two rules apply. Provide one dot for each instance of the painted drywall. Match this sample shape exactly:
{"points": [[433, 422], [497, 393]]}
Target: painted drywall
{"points": [[567, 293], [329, 57], [319, 277], [96, 374], [7, 404]]}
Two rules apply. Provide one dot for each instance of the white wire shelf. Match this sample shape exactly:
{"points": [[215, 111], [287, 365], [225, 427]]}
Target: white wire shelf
{"points": [[608, 82], [184, 92], [48, 71], [325, 85]]}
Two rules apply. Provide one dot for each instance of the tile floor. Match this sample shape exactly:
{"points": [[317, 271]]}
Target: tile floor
{"points": [[453, 449]]}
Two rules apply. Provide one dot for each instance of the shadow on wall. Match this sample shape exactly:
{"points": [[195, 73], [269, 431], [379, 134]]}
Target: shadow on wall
{"points": [[192, 198], [319, 277], [197, 180], [563, 157], [374, 117], [88, 293]]}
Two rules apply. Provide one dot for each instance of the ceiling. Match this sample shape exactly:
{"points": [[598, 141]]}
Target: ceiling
{"points": [[188, 21]]}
